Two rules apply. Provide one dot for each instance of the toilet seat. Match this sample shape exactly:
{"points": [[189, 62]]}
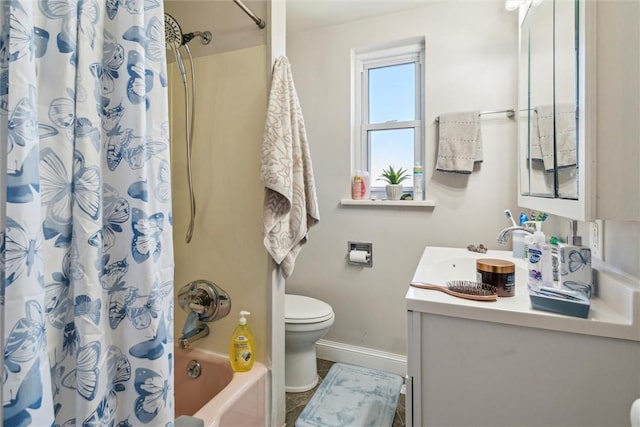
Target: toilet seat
{"points": [[301, 309]]}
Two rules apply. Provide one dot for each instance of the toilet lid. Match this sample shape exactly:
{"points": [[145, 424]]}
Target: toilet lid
{"points": [[301, 309]]}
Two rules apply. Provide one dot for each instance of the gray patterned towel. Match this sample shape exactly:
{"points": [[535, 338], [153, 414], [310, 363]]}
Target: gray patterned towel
{"points": [[543, 134], [562, 127], [290, 202], [460, 142], [566, 135]]}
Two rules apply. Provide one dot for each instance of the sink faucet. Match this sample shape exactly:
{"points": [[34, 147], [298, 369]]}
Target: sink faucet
{"points": [[502, 236], [193, 330]]}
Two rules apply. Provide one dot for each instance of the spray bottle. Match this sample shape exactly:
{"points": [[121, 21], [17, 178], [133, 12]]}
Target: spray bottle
{"points": [[242, 346], [418, 182]]}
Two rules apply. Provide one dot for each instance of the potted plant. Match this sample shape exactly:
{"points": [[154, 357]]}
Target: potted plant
{"points": [[394, 178]]}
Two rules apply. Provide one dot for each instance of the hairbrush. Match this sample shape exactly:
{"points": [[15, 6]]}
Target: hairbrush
{"points": [[463, 289]]}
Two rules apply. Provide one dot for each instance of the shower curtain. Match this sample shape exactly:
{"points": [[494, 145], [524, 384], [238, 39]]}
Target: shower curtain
{"points": [[86, 256]]}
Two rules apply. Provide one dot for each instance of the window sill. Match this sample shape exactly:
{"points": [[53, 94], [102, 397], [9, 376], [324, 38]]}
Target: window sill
{"points": [[389, 203]]}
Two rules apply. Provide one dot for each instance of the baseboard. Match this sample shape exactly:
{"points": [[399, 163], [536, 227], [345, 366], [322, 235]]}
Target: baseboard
{"points": [[362, 356]]}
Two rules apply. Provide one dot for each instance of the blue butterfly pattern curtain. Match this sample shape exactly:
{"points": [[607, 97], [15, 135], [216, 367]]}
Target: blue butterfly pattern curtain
{"points": [[86, 261]]}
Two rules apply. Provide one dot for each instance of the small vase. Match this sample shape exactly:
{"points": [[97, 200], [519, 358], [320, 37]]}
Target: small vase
{"points": [[394, 191]]}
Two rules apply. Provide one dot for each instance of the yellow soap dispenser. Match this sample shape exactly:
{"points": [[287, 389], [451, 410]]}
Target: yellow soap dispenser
{"points": [[242, 346]]}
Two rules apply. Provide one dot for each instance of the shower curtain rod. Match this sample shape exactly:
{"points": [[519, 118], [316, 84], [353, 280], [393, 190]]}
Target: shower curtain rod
{"points": [[259, 22]]}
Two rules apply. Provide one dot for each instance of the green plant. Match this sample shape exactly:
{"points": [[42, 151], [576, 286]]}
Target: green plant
{"points": [[394, 176]]}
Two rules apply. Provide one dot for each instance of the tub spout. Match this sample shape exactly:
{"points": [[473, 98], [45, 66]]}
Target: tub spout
{"points": [[200, 332], [193, 330]]}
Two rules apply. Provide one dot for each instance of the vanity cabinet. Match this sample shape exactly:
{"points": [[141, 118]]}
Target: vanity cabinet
{"points": [[466, 372], [604, 86], [502, 363]]}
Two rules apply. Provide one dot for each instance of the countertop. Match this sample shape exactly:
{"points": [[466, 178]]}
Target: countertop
{"points": [[614, 313]]}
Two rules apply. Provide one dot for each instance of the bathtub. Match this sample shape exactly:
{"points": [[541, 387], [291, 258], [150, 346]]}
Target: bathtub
{"points": [[219, 396]]}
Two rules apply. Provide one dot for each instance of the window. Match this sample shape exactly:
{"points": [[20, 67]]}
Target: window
{"points": [[387, 107]]}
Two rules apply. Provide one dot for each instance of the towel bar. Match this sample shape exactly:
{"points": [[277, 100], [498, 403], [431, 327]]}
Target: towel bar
{"points": [[510, 113]]}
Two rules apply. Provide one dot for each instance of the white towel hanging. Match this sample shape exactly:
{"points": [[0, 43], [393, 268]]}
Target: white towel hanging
{"points": [[290, 201]]}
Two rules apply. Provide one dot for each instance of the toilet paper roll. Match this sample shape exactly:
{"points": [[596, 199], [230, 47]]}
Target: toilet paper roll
{"points": [[359, 257]]}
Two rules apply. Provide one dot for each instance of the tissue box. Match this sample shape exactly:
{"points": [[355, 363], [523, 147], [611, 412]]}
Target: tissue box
{"points": [[575, 269], [575, 304]]}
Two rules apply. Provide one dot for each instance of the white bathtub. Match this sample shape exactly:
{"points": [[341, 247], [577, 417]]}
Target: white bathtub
{"points": [[219, 396]]}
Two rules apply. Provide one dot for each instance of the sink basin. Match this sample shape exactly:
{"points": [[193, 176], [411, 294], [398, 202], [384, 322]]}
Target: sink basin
{"points": [[459, 264]]}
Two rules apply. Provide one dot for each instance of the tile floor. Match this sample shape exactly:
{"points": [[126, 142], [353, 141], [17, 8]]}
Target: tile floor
{"points": [[297, 401]]}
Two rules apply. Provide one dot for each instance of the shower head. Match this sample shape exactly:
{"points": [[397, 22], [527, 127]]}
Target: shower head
{"points": [[172, 32], [174, 38], [205, 36]]}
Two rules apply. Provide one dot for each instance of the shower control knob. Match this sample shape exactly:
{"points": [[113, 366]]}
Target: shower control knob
{"points": [[209, 301], [198, 308]]}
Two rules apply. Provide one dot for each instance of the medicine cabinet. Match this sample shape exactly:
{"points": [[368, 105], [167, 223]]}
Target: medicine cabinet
{"points": [[552, 133], [560, 75]]}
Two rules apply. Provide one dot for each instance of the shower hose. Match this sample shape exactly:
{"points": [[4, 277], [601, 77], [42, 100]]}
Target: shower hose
{"points": [[189, 108]]}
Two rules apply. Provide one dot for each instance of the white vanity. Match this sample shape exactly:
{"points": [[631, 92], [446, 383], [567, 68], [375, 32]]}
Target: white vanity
{"points": [[473, 363]]}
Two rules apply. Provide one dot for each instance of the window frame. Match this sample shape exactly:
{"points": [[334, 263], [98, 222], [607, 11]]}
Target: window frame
{"points": [[396, 53]]}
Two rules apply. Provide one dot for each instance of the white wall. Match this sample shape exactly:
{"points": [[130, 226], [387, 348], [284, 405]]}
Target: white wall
{"points": [[618, 109], [618, 132], [471, 63]]}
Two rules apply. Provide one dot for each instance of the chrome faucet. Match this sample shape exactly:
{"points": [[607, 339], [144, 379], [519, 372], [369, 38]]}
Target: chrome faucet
{"points": [[502, 236], [204, 301], [193, 330]]}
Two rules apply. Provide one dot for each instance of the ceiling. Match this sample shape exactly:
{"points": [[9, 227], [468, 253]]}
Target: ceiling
{"points": [[307, 14], [232, 29]]}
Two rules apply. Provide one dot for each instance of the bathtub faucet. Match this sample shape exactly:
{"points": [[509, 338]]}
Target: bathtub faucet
{"points": [[204, 301], [193, 330]]}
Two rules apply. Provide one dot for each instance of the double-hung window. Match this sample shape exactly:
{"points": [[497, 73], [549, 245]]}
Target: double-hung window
{"points": [[388, 105]]}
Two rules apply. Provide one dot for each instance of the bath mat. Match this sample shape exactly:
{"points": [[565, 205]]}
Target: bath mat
{"points": [[353, 396]]}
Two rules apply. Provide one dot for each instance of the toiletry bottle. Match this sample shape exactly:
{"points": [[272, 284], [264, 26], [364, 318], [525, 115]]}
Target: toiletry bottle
{"points": [[242, 346], [555, 258], [534, 261], [547, 264], [366, 182], [528, 239], [418, 182], [356, 186]]}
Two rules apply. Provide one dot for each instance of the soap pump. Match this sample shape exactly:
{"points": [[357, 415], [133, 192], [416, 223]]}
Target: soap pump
{"points": [[242, 346]]}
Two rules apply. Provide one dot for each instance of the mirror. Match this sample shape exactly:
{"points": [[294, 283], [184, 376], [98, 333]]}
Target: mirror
{"points": [[548, 123]]}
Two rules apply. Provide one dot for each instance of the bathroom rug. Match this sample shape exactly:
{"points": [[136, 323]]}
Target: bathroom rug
{"points": [[353, 396]]}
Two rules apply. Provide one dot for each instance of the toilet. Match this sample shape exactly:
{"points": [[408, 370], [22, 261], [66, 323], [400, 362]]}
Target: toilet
{"points": [[306, 321]]}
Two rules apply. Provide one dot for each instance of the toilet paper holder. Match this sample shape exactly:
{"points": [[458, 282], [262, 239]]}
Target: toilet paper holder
{"points": [[360, 254]]}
